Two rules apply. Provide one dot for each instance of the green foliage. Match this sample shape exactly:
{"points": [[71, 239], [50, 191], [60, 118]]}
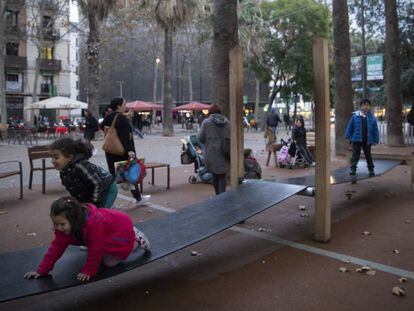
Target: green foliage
{"points": [[286, 57]]}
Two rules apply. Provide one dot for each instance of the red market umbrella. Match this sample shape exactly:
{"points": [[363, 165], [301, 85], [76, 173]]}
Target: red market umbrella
{"points": [[192, 106], [143, 106]]}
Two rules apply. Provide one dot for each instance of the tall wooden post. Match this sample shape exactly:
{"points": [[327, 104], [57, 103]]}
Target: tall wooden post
{"points": [[323, 141], [236, 115]]}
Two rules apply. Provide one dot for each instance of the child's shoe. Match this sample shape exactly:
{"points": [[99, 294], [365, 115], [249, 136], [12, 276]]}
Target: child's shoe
{"points": [[142, 240]]}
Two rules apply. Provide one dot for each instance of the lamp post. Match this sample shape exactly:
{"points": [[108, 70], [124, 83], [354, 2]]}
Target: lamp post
{"points": [[154, 91]]}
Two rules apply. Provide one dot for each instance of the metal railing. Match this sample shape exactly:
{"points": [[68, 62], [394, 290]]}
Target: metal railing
{"points": [[408, 133]]}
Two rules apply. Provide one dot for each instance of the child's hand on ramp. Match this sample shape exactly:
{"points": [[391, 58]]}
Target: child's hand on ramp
{"points": [[83, 277], [31, 275]]}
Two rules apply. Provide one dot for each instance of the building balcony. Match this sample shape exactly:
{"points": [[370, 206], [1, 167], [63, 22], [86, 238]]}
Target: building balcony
{"points": [[14, 87], [15, 62], [54, 65], [50, 34]]}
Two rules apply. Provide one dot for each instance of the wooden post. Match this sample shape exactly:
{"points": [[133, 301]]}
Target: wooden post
{"points": [[322, 143], [236, 115]]}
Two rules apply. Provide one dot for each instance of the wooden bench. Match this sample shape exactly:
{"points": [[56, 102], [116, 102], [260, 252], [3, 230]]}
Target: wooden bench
{"points": [[152, 166], [37, 153], [13, 173]]}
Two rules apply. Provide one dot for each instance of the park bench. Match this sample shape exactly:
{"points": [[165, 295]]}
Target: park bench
{"points": [[10, 172], [152, 166], [39, 153]]}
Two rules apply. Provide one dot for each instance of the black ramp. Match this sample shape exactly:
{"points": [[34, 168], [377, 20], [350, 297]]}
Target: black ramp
{"points": [[167, 234], [341, 175]]}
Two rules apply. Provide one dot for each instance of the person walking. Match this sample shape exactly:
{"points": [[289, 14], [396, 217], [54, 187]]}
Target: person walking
{"points": [[214, 134], [91, 126], [273, 121], [362, 132], [124, 131]]}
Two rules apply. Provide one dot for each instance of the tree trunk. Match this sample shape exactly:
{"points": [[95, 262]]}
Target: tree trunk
{"points": [[92, 56], [3, 107], [167, 122], [36, 77], [225, 38], [257, 101], [190, 79], [155, 84], [392, 75], [342, 62]]}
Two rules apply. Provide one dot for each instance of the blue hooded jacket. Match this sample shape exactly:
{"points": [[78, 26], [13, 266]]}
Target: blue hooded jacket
{"points": [[354, 129]]}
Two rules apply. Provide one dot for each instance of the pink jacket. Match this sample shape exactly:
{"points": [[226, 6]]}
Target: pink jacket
{"points": [[106, 232]]}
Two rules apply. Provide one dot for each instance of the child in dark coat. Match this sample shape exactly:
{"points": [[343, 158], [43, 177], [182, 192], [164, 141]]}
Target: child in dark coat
{"points": [[362, 131], [299, 137], [252, 169]]}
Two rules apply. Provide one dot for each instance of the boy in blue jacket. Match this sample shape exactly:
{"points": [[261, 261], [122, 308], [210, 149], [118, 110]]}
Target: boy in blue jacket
{"points": [[362, 131]]}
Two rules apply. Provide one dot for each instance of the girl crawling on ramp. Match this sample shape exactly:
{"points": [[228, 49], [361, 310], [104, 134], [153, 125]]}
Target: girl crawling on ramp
{"points": [[109, 235]]}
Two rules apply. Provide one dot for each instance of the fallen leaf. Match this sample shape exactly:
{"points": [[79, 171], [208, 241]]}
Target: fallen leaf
{"points": [[343, 269], [366, 268], [302, 207], [345, 260], [371, 272], [194, 253], [398, 291], [396, 251], [304, 215], [366, 233], [264, 261], [147, 292], [32, 234], [3, 212], [359, 270], [402, 280]]}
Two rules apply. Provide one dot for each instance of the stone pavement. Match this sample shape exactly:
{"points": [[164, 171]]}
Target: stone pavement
{"points": [[254, 266]]}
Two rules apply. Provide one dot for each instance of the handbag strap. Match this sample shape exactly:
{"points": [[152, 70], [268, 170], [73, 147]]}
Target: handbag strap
{"points": [[114, 120]]}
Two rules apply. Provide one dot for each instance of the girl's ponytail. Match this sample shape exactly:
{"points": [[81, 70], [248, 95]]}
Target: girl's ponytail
{"points": [[84, 147]]}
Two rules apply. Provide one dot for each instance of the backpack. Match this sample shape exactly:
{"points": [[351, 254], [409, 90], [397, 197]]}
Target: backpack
{"points": [[131, 171]]}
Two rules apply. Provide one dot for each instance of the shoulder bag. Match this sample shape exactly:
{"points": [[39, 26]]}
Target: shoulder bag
{"points": [[112, 144]]}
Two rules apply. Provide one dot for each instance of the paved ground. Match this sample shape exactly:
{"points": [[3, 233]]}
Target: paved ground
{"points": [[269, 263]]}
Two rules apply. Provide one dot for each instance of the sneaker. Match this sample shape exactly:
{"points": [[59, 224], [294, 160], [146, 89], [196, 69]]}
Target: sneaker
{"points": [[352, 171], [144, 199], [142, 240], [371, 173], [83, 248]]}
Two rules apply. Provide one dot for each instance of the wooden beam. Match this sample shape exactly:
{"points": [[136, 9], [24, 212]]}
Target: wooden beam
{"points": [[323, 141], [236, 115]]}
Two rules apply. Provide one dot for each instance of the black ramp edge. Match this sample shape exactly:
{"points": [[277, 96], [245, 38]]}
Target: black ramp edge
{"points": [[341, 175], [167, 234]]}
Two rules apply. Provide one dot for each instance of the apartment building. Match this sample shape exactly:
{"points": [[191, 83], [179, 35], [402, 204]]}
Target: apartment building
{"points": [[37, 36]]}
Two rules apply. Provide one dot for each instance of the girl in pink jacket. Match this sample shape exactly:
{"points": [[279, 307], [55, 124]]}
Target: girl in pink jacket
{"points": [[108, 234]]}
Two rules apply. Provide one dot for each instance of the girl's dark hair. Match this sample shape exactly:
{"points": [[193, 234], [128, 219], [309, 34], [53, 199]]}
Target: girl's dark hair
{"points": [[301, 120], [74, 211], [247, 152], [115, 102], [214, 108], [70, 147]]}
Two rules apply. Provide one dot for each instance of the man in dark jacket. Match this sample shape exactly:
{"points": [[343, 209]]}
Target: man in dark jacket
{"points": [[273, 121]]}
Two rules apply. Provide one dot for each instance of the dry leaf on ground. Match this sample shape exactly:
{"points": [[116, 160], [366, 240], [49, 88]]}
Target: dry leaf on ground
{"points": [[345, 260], [398, 291], [396, 251], [366, 233], [371, 272], [304, 215], [402, 280], [3, 212], [31, 234], [343, 269], [302, 207]]}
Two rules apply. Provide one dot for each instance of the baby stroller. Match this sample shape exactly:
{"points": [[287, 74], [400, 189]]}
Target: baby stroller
{"points": [[192, 152], [290, 156]]}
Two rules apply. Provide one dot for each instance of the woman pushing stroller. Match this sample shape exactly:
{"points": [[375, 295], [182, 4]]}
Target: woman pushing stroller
{"points": [[299, 137]]}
